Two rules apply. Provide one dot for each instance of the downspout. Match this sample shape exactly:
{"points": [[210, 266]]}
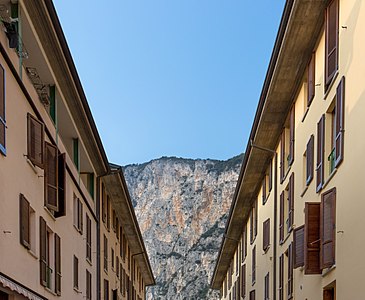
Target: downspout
{"points": [[98, 263], [275, 224]]}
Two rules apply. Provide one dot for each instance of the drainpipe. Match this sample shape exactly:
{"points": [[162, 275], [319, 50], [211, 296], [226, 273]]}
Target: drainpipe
{"points": [[275, 224], [98, 263]]}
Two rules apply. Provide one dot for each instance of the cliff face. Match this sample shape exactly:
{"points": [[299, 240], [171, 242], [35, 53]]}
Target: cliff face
{"points": [[182, 206]]}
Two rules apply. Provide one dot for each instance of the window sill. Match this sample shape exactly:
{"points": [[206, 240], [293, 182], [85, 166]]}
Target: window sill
{"points": [[32, 253], [77, 290], [305, 114], [50, 213], [77, 229], [328, 270], [50, 291], [89, 262], [329, 178], [34, 168], [286, 173], [327, 91], [304, 191], [266, 250]]}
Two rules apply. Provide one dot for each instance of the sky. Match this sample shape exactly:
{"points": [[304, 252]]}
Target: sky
{"points": [[171, 77]]}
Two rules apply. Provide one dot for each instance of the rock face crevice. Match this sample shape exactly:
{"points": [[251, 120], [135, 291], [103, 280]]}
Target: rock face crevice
{"points": [[182, 207]]}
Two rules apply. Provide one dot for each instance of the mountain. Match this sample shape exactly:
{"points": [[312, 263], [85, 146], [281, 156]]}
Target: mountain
{"points": [[182, 206]]}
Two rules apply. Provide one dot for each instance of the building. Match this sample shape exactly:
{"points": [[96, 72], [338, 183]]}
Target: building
{"points": [[295, 227], [52, 170]]}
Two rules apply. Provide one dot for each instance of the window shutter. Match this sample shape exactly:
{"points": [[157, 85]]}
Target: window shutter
{"points": [[340, 99], [243, 281], [24, 221], [270, 176], [331, 59], [281, 218], [57, 264], [88, 238], [309, 160], [311, 80], [320, 153], [253, 265], [290, 271], [328, 294], [252, 295], [264, 190], [105, 253], [266, 235], [251, 226], [282, 156], [328, 226], [292, 135], [35, 141], [239, 287], [88, 285], [103, 202], [81, 216], [291, 201], [50, 177], [281, 277], [114, 220], [43, 251], [267, 287], [61, 186], [2, 110], [298, 245], [256, 218], [108, 211], [312, 238]]}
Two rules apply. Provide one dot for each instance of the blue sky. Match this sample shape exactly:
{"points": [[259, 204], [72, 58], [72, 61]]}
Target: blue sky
{"points": [[171, 77]]}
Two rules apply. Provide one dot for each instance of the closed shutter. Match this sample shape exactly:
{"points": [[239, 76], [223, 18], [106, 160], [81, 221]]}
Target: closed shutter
{"points": [[106, 289], [114, 216], [57, 264], [340, 100], [239, 287], [50, 177], [251, 225], [310, 160], [61, 186], [76, 272], [80, 215], [2, 111], [243, 274], [291, 202], [264, 190], [312, 238], [298, 245], [88, 285], [105, 253], [88, 238], [320, 153], [117, 228], [311, 80], [290, 271], [103, 202], [252, 295], [244, 246], [328, 226], [292, 135], [281, 217], [331, 57], [254, 265], [270, 176], [266, 235], [281, 277], [256, 219], [108, 212], [267, 287], [282, 156], [328, 294], [43, 251], [35, 141], [117, 265], [24, 221]]}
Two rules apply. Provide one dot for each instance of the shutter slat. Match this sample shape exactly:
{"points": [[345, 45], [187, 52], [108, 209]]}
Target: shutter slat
{"points": [[24, 221], [320, 153], [340, 99], [328, 224], [312, 238], [50, 177], [298, 246], [35, 141], [43, 251]]}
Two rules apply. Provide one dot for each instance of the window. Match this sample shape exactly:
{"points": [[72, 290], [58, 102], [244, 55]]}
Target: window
{"points": [[309, 161], [117, 227], [267, 287], [244, 242], [123, 245], [287, 144], [112, 254], [253, 222], [76, 153], [88, 285], [114, 223], [281, 277], [106, 289], [311, 80], [289, 254], [58, 265], [266, 235], [76, 273], [35, 141], [234, 291], [298, 247], [230, 271], [312, 238], [27, 224], [117, 265], [103, 202], [78, 214], [108, 212], [88, 238], [331, 56], [237, 260], [105, 253], [115, 294], [320, 153], [252, 295], [2, 111], [329, 293], [327, 226], [253, 265], [61, 186], [243, 284], [287, 209], [267, 184]]}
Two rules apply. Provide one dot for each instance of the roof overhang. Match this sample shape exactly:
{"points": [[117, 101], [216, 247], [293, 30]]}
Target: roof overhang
{"points": [[299, 29]]}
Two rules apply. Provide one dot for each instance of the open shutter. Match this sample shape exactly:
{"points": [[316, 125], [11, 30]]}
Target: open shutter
{"points": [[35, 141], [328, 294], [264, 190], [298, 247], [281, 217], [103, 202], [43, 251], [2, 111], [108, 212], [50, 177], [291, 202], [81, 216], [292, 135], [331, 58], [281, 277], [311, 80], [266, 235], [252, 295], [254, 265], [243, 274], [320, 153], [88, 238], [309, 160], [340, 98], [282, 156], [270, 176], [267, 287], [24, 221], [61, 186], [290, 271], [312, 238], [57, 264], [328, 226]]}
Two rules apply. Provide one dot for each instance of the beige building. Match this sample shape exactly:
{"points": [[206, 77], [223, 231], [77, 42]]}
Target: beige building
{"points": [[54, 174], [295, 228]]}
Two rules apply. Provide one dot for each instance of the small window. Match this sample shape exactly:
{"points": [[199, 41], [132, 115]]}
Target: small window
{"points": [[106, 289], [253, 274], [112, 253], [52, 103], [252, 295], [76, 272], [244, 243], [76, 153], [267, 184], [266, 235], [78, 214], [88, 285], [308, 162], [243, 274], [267, 287], [287, 144]]}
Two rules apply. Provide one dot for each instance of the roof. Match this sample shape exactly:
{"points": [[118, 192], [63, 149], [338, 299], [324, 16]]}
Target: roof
{"points": [[300, 25]]}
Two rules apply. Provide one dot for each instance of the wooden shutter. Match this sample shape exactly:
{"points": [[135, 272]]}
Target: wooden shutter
{"points": [[24, 216], [331, 56], [282, 156], [43, 251], [61, 186], [328, 226], [103, 202], [88, 285], [310, 160], [320, 153], [264, 190], [76, 272], [80, 215], [291, 202], [270, 176], [292, 135], [88, 238], [57, 264], [244, 245], [290, 271], [252, 295], [50, 176], [239, 287], [281, 277], [328, 294], [117, 227], [254, 265], [312, 238], [108, 212], [117, 265], [243, 276], [106, 289], [340, 100], [251, 225], [267, 287], [114, 217], [266, 235], [281, 217], [311, 80], [298, 247], [35, 141], [2, 111], [105, 253]]}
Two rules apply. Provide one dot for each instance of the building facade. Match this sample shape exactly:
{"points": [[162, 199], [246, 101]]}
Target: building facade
{"points": [[52, 168], [295, 225]]}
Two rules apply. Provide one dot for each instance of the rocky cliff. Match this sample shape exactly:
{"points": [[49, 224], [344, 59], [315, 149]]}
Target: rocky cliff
{"points": [[182, 206]]}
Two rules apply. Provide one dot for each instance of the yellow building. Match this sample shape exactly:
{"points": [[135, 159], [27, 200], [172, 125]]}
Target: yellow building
{"points": [[295, 226], [52, 171]]}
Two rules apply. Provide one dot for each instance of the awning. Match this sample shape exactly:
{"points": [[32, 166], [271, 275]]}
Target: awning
{"points": [[7, 283]]}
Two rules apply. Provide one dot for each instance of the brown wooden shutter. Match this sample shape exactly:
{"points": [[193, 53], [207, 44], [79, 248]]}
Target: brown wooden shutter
{"points": [[43, 251], [103, 202], [312, 238], [310, 160], [270, 176], [281, 217], [254, 265], [256, 219], [76, 272], [320, 153], [328, 226], [281, 277], [2, 111], [290, 271], [331, 56], [267, 287], [291, 202], [57, 264], [108, 212], [311, 80], [35, 141], [106, 289], [251, 226], [88, 285], [292, 135], [282, 156], [243, 274], [252, 295], [328, 294], [88, 238], [24, 217], [340, 101], [61, 186], [50, 177], [298, 246], [105, 253], [239, 287], [81, 216], [266, 235], [264, 190]]}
